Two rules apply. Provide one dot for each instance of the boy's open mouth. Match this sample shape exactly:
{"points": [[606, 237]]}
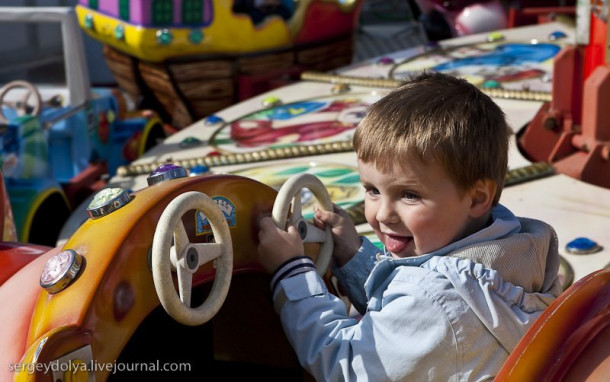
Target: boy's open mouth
{"points": [[396, 244]]}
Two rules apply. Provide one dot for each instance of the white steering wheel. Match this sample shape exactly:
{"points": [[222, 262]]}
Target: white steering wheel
{"points": [[21, 107], [289, 200], [187, 257]]}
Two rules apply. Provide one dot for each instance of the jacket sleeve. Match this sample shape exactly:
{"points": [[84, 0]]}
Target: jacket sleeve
{"points": [[406, 338], [354, 273]]}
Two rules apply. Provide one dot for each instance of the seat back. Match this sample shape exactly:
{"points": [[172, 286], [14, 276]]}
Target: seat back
{"points": [[570, 341]]}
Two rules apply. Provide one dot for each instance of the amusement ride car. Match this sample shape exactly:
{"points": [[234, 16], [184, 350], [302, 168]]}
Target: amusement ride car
{"points": [[195, 57], [58, 140]]}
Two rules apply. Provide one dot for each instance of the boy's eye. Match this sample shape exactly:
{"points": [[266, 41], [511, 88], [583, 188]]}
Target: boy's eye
{"points": [[410, 195], [372, 191]]}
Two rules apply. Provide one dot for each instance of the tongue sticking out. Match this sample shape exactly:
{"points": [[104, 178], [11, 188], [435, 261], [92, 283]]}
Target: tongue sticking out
{"points": [[396, 244]]}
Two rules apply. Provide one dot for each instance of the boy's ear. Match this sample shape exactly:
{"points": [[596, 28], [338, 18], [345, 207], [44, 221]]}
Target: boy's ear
{"points": [[482, 196]]}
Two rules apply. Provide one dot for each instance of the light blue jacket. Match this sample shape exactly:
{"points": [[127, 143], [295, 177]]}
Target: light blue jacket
{"points": [[451, 315]]}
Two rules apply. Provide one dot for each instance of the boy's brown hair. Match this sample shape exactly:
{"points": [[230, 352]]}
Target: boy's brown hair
{"points": [[437, 117]]}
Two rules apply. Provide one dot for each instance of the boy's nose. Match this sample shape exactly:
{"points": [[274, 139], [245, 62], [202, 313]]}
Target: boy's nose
{"points": [[386, 213]]}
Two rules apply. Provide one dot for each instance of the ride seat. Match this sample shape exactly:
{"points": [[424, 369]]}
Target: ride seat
{"points": [[569, 341]]}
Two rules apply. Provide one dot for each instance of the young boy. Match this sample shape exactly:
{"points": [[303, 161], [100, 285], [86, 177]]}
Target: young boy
{"points": [[461, 278]]}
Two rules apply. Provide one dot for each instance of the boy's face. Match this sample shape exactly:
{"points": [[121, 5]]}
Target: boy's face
{"points": [[414, 208]]}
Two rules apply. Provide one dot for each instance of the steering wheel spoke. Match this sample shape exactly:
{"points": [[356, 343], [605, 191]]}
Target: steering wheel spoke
{"points": [[208, 251], [315, 234], [185, 284]]}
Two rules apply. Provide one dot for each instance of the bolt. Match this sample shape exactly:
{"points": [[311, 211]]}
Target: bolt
{"points": [[551, 123]]}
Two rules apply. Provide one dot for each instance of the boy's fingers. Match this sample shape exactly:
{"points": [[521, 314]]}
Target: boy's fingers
{"points": [[266, 224], [340, 211], [336, 209], [292, 229], [319, 223], [331, 218], [265, 221]]}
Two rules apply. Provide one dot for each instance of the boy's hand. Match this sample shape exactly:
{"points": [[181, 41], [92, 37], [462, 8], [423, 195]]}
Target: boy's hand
{"points": [[347, 240], [276, 246]]}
